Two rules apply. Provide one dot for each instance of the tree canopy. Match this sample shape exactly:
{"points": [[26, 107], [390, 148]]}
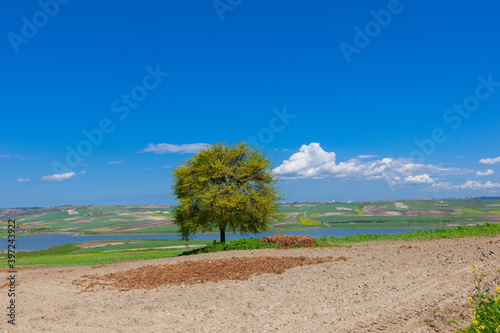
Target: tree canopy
{"points": [[226, 188]]}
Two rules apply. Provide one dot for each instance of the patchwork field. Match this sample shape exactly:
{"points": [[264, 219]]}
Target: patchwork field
{"points": [[92, 220], [151, 219], [425, 213]]}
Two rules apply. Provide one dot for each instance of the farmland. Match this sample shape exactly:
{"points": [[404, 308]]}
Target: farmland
{"points": [[425, 213], [387, 286], [156, 219]]}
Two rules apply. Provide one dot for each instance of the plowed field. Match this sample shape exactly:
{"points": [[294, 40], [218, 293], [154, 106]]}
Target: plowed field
{"points": [[419, 286]]}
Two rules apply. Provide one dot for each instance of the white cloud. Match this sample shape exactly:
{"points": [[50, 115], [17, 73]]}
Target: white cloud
{"points": [[486, 173], [62, 176], [167, 148], [23, 180], [115, 162], [313, 162], [470, 184], [367, 156], [166, 166], [477, 185], [490, 160], [440, 186], [4, 155], [419, 179], [305, 163]]}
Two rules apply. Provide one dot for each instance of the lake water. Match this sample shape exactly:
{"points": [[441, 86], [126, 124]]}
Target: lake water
{"points": [[38, 242]]}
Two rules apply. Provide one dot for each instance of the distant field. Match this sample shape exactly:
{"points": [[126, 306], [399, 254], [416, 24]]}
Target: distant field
{"points": [[394, 214], [155, 219], [92, 220]]}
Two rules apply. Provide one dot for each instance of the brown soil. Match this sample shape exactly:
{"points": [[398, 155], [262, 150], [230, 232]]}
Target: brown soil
{"points": [[193, 272], [280, 224], [379, 211], [470, 224], [330, 214], [289, 241], [442, 211], [412, 213], [418, 286]]}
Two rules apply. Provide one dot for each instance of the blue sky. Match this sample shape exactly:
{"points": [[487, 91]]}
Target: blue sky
{"points": [[358, 100]]}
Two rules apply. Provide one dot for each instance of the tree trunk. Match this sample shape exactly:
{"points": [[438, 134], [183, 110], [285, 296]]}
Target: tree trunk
{"points": [[222, 235]]}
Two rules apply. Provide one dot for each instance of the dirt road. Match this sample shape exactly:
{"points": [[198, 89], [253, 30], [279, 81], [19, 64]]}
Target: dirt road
{"points": [[418, 286]]}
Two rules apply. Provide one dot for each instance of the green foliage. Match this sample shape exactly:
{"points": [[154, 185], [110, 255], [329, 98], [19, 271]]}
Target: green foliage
{"points": [[240, 244], [225, 188], [487, 306]]}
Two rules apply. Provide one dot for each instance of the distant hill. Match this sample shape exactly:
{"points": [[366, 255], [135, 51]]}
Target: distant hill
{"points": [[158, 219]]}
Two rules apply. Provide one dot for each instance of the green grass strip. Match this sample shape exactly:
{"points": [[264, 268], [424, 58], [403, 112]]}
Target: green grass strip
{"points": [[95, 258], [487, 229]]}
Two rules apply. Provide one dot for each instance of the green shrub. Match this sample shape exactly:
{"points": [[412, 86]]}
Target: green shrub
{"points": [[487, 307], [240, 244]]}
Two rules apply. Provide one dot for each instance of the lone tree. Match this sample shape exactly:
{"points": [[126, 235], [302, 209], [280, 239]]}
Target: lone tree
{"points": [[225, 187]]}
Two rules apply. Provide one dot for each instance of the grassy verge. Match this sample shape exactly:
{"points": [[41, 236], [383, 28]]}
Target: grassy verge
{"points": [[97, 258], [73, 255], [141, 244], [458, 232]]}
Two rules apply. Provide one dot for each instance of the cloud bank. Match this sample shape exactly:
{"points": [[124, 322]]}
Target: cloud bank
{"points": [[419, 179], [312, 162], [468, 185]]}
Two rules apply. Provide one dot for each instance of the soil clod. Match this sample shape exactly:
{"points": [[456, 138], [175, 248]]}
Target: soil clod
{"points": [[289, 241]]}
